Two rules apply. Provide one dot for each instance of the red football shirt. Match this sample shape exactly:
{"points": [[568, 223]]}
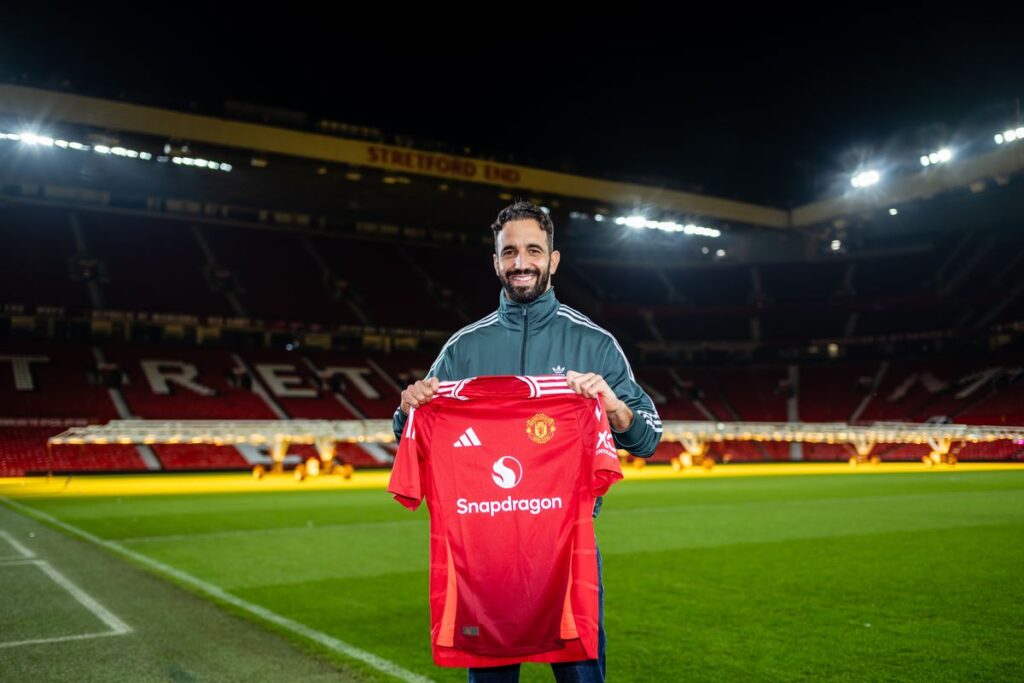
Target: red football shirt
{"points": [[510, 468]]}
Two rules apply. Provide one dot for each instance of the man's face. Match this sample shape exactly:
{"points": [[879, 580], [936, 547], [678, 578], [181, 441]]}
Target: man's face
{"points": [[522, 261]]}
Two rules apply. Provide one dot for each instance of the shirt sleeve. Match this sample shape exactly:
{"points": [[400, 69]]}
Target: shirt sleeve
{"points": [[641, 437], [441, 368], [406, 473], [600, 448]]}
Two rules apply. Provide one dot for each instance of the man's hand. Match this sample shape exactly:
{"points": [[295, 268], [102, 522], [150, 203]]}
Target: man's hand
{"points": [[592, 385], [419, 393]]}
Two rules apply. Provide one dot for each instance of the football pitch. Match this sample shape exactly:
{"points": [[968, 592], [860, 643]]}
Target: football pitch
{"points": [[815, 573]]}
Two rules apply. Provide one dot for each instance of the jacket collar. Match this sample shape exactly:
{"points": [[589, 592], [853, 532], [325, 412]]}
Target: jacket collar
{"points": [[537, 313]]}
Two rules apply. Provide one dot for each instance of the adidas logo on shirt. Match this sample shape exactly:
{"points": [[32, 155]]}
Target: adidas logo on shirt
{"points": [[468, 438]]}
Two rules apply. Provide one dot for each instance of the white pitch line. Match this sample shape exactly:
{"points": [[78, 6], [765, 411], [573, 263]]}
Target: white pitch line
{"points": [[106, 616], [25, 552], [117, 627], [59, 639], [330, 642]]}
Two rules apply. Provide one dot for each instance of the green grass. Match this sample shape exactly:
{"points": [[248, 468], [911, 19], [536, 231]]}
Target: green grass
{"points": [[811, 577]]}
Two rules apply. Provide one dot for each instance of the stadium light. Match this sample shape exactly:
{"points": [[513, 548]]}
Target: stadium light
{"points": [[1010, 135], [893, 212], [836, 245], [117, 151], [637, 221], [692, 229], [200, 163], [38, 140], [631, 221], [720, 253], [123, 152], [866, 179], [940, 157], [33, 139]]}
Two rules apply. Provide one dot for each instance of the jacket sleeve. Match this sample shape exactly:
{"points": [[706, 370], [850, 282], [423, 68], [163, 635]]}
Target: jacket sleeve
{"points": [[644, 432], [440, 369]]}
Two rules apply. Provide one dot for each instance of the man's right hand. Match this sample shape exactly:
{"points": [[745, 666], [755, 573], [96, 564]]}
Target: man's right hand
{"points": [[419, 393]]}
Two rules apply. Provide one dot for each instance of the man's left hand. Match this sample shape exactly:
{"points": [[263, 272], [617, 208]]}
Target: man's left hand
{"points": [[592, 385]]}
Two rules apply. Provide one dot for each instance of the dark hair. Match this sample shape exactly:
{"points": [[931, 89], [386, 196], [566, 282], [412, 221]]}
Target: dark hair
{"points": [[523, 210]]}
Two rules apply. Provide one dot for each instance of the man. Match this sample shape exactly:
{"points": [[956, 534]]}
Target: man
{"points": [[531, 333]]}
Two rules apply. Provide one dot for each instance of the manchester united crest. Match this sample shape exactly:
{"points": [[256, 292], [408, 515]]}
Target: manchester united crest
{"points": [[540, 428]]}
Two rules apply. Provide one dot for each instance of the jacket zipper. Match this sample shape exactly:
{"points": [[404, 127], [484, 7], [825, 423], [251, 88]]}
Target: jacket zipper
{"points": [[522, 357]]}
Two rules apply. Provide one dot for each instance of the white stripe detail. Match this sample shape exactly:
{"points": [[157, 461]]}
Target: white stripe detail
{"points": [[372, 660], [538, 387], [555, 392], [22, 550], [467, 439], [452, 389], [652, 419], [546, 385], [483, 322], [409, 431], [529, 383], [577, 317], [457, 392], [580, 319]]}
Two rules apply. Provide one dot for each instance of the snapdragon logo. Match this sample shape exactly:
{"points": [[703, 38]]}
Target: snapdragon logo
{"points": [[507, 472], [492, 507]]}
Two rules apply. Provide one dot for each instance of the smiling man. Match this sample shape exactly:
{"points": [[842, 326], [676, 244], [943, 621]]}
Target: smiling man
{"points": [[531, 333]]}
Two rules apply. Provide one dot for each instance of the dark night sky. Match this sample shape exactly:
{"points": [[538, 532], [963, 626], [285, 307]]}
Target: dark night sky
{"points": [[745, 106]]}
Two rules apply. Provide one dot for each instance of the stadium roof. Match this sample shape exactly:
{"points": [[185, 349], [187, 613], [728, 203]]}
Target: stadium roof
{"points": [[774, 120]]}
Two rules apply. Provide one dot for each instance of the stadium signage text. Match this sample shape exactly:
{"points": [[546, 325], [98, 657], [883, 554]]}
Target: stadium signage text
{"points": [[441, 164]]}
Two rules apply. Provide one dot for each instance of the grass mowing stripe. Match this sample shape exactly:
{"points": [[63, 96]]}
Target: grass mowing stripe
{"points": [[323, 639], [275, 530]]}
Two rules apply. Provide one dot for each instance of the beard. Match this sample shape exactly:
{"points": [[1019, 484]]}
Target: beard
{"points": [[525, 294]]}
